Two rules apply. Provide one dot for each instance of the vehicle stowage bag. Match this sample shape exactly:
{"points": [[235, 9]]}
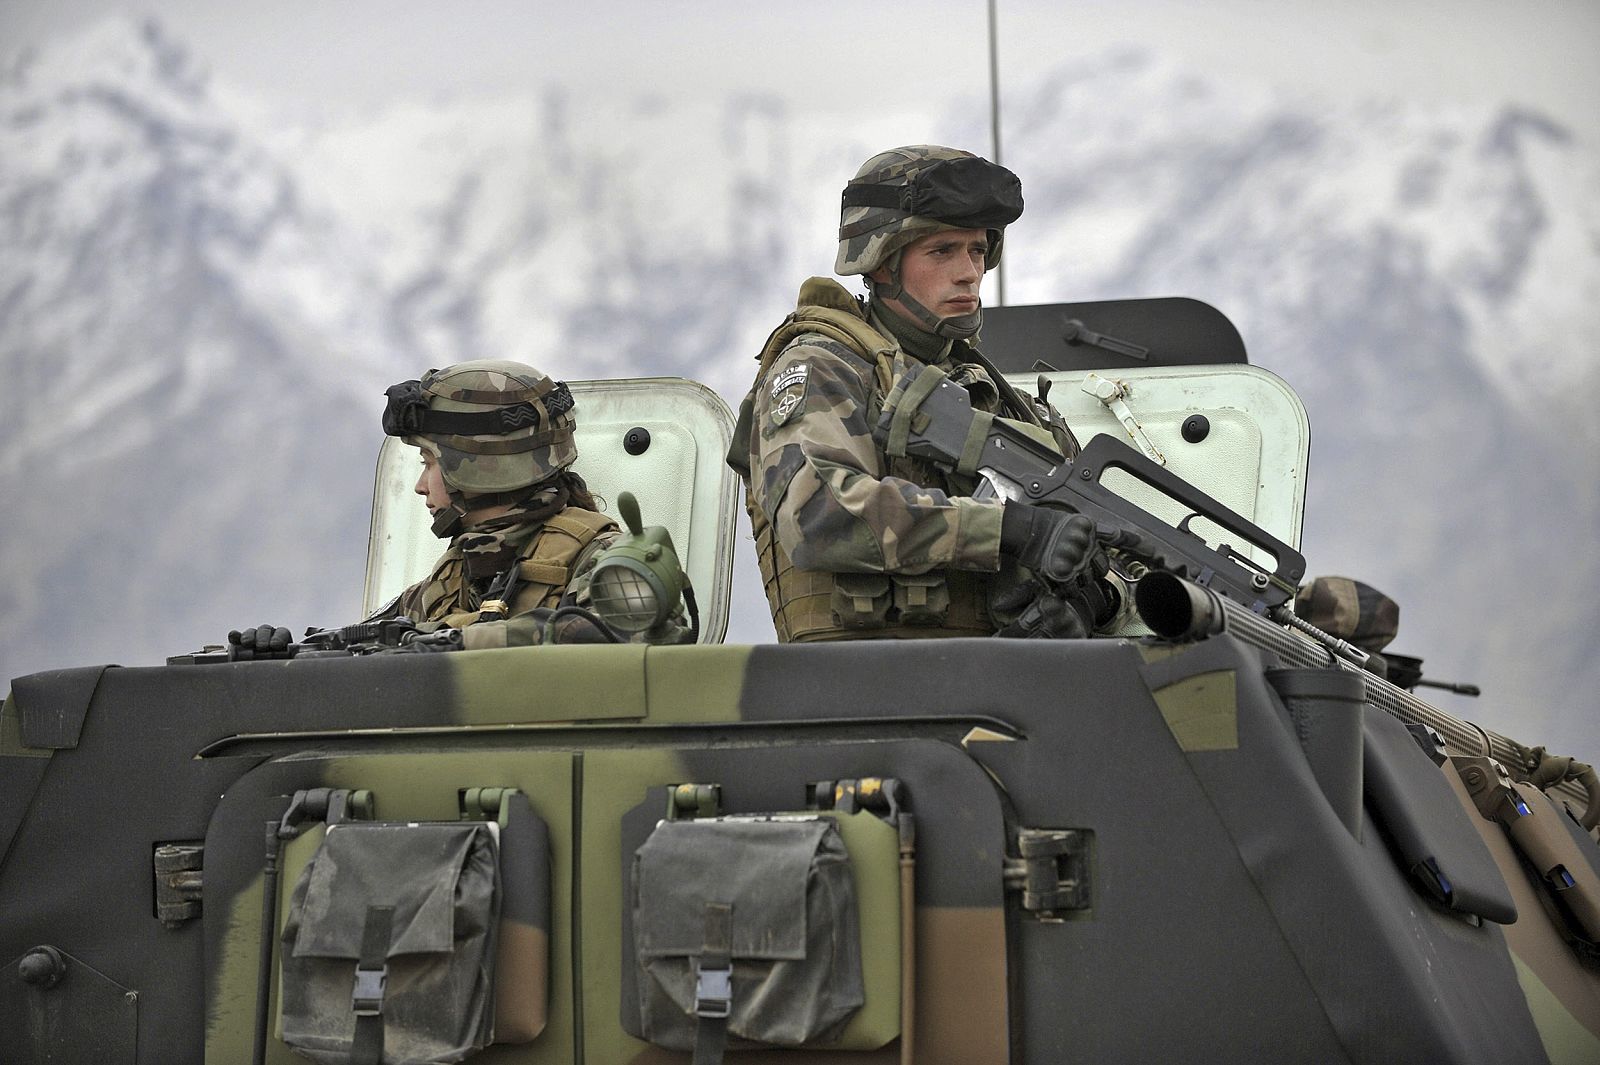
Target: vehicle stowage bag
{"points": [[1426, 825], [792, 933], [415, 907]]}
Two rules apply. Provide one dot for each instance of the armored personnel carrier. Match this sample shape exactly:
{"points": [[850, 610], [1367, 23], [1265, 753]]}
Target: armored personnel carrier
{"points": [[1213, 837]]}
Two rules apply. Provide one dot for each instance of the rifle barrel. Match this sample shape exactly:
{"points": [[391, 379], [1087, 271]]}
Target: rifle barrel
{"points": [[1180, 610]]}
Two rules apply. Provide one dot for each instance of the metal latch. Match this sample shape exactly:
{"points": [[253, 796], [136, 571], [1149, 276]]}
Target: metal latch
{"points": [[1114, 395], [178, 881], [1053, 872]]}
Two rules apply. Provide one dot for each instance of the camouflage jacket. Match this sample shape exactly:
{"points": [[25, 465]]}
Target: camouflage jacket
{"points": [[556, 556], [835, 500]]}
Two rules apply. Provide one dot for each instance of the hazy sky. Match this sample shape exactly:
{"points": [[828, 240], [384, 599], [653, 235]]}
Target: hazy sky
{"points": [[833, 54]]}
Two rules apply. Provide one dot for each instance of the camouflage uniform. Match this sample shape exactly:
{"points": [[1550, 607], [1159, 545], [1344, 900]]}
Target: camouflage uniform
{"points": [[852, 543], [555, 557]]}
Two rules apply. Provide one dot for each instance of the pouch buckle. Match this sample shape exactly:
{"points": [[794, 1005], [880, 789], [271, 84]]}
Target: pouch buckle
{"points": [[366, 998], [713, 992]]}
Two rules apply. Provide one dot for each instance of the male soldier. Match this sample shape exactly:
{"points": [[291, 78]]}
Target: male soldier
{"points": [[497, 448], [856, 543]]}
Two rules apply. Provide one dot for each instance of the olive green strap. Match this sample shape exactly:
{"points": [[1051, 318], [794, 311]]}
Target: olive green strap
{"points": [[918, 390], [977, 436]]}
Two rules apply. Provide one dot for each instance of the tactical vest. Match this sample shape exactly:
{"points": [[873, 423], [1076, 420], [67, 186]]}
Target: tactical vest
{"points": [[812, 605], [544, 569]]}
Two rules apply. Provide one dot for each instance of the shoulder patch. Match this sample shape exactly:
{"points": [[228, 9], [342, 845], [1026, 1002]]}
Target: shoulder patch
{"points": [[786, 407], [793, 376], [788, 392]]}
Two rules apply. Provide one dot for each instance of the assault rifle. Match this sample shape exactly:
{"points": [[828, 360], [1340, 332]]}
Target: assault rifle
{"points": [[401, 634], [346, 641], [929, 416], [1191, 590]]}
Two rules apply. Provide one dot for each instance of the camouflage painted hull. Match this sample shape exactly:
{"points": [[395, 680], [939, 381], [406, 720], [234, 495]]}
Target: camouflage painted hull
{"points": [[1230, 913]]}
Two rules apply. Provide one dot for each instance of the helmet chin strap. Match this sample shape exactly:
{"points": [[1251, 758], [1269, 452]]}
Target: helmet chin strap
{"points": [[451, 521], [957, 327], [447, 522], [960, 326]]}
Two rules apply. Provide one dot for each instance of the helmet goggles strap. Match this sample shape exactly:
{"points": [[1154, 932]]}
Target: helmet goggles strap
{"points": [[968, 193], [408, 413]]}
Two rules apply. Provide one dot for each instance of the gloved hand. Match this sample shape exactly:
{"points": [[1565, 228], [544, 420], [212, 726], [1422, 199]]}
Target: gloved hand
{"points": [[262, 641], [1052, 617], [1053, 544]]}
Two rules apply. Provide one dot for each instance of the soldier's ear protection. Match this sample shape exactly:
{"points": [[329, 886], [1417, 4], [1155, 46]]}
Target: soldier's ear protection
{"points": [[968, 193]]}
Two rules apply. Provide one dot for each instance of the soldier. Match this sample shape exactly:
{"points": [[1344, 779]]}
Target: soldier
{"points": [[497, 448], [853, 543]]}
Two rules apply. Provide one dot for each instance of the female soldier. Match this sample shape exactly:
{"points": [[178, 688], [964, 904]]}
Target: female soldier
{"points": [[496, 439]]}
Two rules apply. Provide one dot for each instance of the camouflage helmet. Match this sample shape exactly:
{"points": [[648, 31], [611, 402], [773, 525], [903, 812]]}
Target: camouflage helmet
{"points": [[496, 427], [905, 193]]}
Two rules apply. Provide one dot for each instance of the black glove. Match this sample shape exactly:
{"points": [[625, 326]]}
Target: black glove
{"points": [[1053, 544], [1051, 617], [263, 641]]}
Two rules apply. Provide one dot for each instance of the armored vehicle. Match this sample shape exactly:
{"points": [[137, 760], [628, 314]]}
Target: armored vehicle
{"points": [[1214, 836]]}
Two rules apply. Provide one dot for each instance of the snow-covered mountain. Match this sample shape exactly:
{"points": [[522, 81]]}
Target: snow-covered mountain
{"points": [[1268, 206], [200, 304], [184, 342]]}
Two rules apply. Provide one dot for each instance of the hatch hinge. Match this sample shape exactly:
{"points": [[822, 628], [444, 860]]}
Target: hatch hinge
{"points": [[1052, 872], [178, 881]]}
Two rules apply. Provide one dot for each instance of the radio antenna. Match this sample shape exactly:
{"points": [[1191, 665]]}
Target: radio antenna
{"points": [[994, 125]]}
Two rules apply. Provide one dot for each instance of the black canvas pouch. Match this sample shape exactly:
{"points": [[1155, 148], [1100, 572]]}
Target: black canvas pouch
{"points": [[753, 918], [389, 946]]}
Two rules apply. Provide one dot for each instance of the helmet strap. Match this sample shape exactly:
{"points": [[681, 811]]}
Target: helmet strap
{"points": [[524, 503], [447, 522], [893, 289], [958, 327]]}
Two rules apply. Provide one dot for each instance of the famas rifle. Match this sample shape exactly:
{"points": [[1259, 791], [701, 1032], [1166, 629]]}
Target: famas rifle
{"points": [[929, 416], [1190, 590]]}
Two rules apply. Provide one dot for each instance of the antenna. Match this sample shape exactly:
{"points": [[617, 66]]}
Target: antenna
{"points": [[994, 124]]}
